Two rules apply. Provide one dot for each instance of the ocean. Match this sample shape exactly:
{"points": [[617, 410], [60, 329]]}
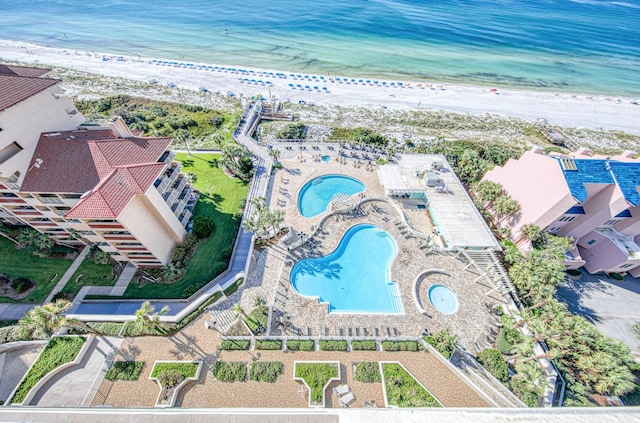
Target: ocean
{"points": [[585, 46]]}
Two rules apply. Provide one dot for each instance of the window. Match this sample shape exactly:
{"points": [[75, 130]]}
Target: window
{"points": [[591, 242], [612, 222], [626, 266], [566, 218]]}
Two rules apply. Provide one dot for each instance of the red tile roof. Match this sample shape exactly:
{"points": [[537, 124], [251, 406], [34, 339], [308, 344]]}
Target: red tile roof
{"points": [[17, 83], [107, 169]]}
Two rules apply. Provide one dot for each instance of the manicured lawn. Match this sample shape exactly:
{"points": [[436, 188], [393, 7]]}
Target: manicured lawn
{"points": [[93, 274], [23, 264], [220, 200], [59, 350]]}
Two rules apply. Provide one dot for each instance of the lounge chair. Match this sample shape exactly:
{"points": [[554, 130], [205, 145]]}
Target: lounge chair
{"points": [[346, 399], [341, 390]]}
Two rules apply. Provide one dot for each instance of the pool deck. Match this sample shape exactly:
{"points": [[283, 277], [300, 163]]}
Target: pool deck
{"points": [[473, 323]]}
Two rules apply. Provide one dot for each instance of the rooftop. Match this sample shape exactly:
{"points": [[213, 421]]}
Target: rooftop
{"points": [[451, 208], [17, 83], [578, 172], [110, 170]]}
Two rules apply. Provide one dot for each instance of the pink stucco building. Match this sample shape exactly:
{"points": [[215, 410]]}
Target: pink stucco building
{"points": [[593, 199]]}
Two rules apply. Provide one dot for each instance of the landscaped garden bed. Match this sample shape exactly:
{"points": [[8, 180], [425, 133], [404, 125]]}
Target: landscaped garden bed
{"points": [[298, 345], [232, 371], [233, 344], [268, 344], [367, 371], [316, 375], [125, 370], [369, 345], [400, 346], [171, 377], [326, 345], [265, 371], [401, 389], [59, 351]]}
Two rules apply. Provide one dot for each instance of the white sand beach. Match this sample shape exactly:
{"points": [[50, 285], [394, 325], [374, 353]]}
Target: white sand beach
{"points": [[577, 110]]}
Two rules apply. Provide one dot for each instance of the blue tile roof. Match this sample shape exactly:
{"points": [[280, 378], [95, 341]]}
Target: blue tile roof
{"points": [[575, 210], [624, 213], [588, 171], [627, 176]]}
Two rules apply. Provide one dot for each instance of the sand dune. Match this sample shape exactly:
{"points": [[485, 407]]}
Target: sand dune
{"points": [[578, 110]]}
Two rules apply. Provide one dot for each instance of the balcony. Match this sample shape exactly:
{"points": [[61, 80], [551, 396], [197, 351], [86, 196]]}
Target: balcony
{"points": [[184, 220], [172, 195], [572, 259], [625, 243], [169, 176], [167, 157]]}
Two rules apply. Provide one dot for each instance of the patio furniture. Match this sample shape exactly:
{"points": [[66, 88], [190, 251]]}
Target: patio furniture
{"points": [[341, 390], [346, 399]]}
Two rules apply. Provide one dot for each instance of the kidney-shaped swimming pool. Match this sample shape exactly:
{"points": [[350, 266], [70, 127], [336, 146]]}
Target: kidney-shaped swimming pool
{"points": [[355, 277]]}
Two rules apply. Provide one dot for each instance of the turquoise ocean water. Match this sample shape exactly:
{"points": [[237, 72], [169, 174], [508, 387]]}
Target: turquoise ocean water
{"points": [[588, 46]]}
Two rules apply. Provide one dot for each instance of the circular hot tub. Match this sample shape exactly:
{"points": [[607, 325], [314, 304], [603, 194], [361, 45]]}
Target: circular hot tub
{"points": [[443, 299]]}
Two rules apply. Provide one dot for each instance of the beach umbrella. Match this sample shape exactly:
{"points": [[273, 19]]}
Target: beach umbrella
{"points": [[494, 90]]}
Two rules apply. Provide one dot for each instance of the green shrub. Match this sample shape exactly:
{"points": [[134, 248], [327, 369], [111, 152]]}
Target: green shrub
{"points": [[293, 131], [106, 328], [403, 390], [268, 344], [216, 120], [233, 287], [12, 334], [443, 342], [494, 362], [21, 285], [296, 345], [59, 350], [203, 226], [187, 370], [192, 316], [240, 344], [400, 346], [367, 371], [265, 371], [326, 345], [316, 376], [363, 345], [233, 371], [125, 370], [506, 339], [170, 378]]}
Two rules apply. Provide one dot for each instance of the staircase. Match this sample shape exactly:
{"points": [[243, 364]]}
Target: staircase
{"points": [[495, 392]]}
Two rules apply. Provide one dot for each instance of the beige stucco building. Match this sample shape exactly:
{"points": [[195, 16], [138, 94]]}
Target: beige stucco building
{"points": [[91, 184]]}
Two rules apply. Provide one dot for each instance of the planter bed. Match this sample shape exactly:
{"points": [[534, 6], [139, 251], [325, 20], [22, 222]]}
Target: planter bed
{"points": [[185, 372], [316, 375], [401, 389]]}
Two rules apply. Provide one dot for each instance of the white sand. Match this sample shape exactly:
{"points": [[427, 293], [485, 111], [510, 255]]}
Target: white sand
{"points": [[583, 111]]}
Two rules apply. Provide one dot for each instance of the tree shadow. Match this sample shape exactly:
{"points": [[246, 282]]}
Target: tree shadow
{"points": [[572, 292], [129, 352]]}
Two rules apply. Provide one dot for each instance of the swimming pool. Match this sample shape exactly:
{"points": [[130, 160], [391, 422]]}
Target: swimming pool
{"points": [[327, 158], [355, 277], [315, 195], [443, 299]]}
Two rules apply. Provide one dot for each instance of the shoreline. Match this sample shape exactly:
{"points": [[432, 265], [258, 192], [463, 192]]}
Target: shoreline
{"points": [[563, 109]]}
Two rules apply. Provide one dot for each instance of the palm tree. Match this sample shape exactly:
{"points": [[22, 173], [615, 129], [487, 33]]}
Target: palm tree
{"points": [[531, 232], [237, 308], [275, 154], [488, 192], [147, 318], [260, 304], [42, 322], [182, 136], [276, 217], [505, 206]]}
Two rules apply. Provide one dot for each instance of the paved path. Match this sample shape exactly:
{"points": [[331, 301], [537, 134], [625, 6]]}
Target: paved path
{"points": [[71, 387], [15, 311], [67, 275], [118, 310]]}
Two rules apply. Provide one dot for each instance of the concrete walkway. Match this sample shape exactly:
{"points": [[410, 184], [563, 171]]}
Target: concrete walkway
{"points": [[67, 275], [73, 386], [119, 310], [15, 311]]}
